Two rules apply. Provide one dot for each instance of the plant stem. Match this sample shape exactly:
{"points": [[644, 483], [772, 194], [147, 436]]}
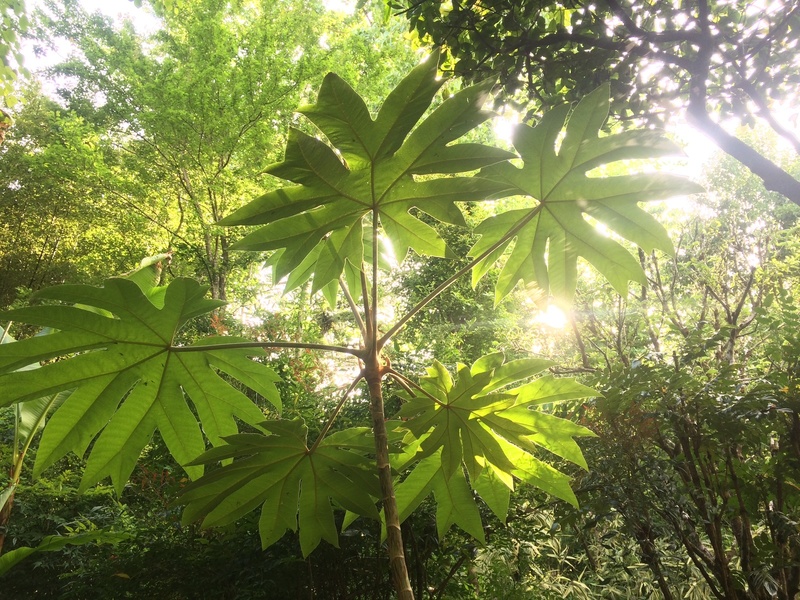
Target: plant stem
{"points": [[373, 373], [354, 351], [456, 276], [401, 381], [408, 384], [336, 411], [5, 515], [367, 308], [375, 274], [397, 560], [353, 308]]}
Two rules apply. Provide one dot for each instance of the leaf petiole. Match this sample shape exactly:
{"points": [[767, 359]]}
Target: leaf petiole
{"points": [[343, 349], [336, 412], [456, 276], [353, 308], [406, 383]]}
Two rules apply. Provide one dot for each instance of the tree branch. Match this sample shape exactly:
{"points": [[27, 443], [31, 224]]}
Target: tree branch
{"points": [[774, 178]]}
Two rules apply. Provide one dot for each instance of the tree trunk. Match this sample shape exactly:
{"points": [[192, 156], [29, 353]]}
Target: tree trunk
{"points": [[373, 373]]}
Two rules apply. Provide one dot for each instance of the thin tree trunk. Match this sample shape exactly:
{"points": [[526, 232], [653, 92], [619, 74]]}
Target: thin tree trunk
{"points": [[397, 560], [644, 536]]}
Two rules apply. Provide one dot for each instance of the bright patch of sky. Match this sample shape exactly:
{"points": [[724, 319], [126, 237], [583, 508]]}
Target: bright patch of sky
{"points": [[142, 17], [144, 21], [345, 6]]}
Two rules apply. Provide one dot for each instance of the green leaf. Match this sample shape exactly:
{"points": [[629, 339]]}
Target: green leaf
{"points": [[6, 494], [478, 424], [293, 484], [550, 235], [494, 491], [367, 167], [148, 275], [454, 502], [30, 416], [130, 377], [56, 542]]}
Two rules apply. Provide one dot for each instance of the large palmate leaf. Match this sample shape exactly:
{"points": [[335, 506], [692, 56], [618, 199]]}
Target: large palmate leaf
{"points": [[478, 424], [370, 170], [117, 351], [552, 232], [30, 416], [293, 483]]}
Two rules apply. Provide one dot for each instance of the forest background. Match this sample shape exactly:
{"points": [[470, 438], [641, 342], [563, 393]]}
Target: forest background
{"points": [[134, 144]]}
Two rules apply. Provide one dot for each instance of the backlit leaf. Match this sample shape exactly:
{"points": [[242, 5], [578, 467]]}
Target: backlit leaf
{"points": [[552, 232], [477, 424], [367, 167], [293, 484], [129, 376]]}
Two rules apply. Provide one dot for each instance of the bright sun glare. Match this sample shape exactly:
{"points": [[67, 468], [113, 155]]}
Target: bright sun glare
{"points": [[552, 317]]}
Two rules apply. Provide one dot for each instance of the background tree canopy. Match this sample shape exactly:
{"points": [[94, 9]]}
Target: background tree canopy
{"points": [[713, 60]]}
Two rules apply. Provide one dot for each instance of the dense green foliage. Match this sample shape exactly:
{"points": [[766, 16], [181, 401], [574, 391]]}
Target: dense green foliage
{"points": [[727, 59], [127, 367], [439, 401]]}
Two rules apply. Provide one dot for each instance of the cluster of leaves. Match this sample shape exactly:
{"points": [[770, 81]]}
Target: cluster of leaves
{"points": [[563, 51], [119, 346], [726, 58], [319, 223], [128, 378], [14, 21], [479, 425]]}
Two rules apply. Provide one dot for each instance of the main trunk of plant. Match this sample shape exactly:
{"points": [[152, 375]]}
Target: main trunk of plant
{"points": [[373, 373]]}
